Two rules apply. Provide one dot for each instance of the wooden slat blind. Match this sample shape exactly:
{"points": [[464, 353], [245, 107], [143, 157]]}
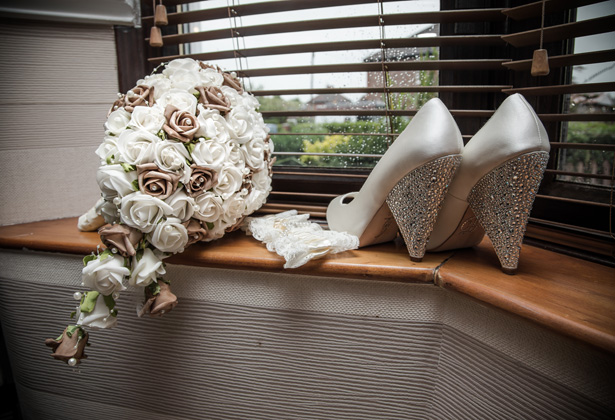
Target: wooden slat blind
{"points": [[472, 58], [576, 195]]}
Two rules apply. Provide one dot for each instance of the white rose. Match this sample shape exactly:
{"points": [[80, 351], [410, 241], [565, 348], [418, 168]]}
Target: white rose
{"points": [[180, 65], [254, 154], [105, 275], [261, 180], [109, 211], [250, 101], [182, 204], [233, 209], [142, 211], [147, 118], [184, 79], [169, 236], [230, 179], [136, 146], [107, 151], [159, 82], [259, 128], [180, 99], [235, 157], [255, 200], [210, 153], [233, 96], [100, 317], [117, 121], [211, 77], [212, 125], [240, 124], [147, 269], [217, 230], [170, 156], [208, 207], [114, 181]]}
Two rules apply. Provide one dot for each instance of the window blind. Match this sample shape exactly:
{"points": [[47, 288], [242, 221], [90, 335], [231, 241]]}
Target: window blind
{"points": [[338, 80], [576, 101]]}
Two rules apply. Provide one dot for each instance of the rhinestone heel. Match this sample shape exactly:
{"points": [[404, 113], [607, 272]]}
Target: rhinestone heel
{"points": [[494, 188], [416, 199], [502, 201], [401, 176]]}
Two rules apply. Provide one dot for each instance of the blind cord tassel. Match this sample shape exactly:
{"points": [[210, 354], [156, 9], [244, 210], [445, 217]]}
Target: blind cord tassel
{"points": [[540, 60], [160, 19]]}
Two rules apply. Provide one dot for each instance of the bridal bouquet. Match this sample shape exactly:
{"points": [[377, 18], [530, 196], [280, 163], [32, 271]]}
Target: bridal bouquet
{"points": [[185, 158]]}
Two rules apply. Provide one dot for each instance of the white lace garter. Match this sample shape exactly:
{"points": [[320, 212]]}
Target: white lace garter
{"points": [[293, 237]]}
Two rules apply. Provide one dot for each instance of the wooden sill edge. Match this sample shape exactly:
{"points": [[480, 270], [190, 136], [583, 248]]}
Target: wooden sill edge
{"points": [[569, 295]]}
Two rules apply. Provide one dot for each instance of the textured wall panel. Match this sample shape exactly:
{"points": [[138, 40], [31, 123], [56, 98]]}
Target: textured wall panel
{"points": [[57, 84], [247, 345]]}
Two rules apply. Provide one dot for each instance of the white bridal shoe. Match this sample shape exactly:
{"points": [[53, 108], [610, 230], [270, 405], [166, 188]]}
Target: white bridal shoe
{"points": [[496, 183], [407, 185]]}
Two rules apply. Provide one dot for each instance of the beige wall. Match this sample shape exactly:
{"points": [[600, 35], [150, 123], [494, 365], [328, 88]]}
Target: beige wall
{"points": [[278, 346], [57, 82]]}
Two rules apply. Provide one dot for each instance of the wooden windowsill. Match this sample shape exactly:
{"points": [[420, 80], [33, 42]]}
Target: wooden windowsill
{"points": [[572, 296]]}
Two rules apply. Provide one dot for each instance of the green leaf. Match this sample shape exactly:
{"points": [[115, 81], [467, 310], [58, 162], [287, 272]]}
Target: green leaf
{"points": [[154, 288], [197, 95], [127, 167], [139, 254], [135, 185], [70, 330], [89, 301], [190, 147], [109, 160], [162, 135], [210, 225], [72, 314], [109, 301], [105, 254], [89, 258]]}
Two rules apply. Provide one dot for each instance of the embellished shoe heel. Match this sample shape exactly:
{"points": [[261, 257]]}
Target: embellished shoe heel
{"points": [[409, 179], [502, 200], [415, 200]]}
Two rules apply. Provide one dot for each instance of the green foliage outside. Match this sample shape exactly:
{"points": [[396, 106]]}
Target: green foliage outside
{"points": [[589, 161], [343, 144]]}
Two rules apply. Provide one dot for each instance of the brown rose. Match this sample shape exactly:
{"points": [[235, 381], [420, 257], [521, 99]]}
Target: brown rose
{"points": [[154, 182], [196, 231], [119, 102], [71, 344], [213, 98], [206, 66], [160, 303], [201, 179], [232, 82], [121, 237], [180, 125], [139, 96]]}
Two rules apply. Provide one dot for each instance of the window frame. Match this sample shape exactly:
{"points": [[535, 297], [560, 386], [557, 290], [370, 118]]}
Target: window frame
{"points": [[310, 189]]}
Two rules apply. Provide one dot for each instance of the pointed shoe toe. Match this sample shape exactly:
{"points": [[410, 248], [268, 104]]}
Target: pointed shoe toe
{"points": [[495, 186], [405, 189]]}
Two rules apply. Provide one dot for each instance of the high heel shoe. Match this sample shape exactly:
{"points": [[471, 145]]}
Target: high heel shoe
{"points": [[494, 188], [407, 185]]}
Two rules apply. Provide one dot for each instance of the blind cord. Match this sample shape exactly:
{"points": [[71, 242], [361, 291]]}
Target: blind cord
{"points": [[385, 75]]}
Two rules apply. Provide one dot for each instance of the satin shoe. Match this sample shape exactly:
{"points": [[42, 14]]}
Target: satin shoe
{"points": [[494, 189], [407, 185]]}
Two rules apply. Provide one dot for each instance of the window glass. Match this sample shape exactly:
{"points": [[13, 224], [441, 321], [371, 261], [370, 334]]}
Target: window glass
{"points": [[591, 161]]}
